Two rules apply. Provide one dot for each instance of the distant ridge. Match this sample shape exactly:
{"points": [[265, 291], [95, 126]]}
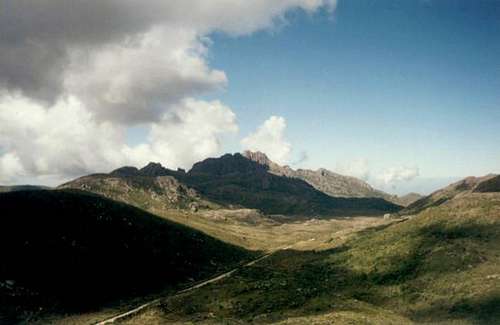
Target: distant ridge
{"points": [[484, 184], [329, 182]]}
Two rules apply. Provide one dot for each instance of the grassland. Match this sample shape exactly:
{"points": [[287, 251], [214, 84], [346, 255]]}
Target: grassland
{"points": [[442, 266]]}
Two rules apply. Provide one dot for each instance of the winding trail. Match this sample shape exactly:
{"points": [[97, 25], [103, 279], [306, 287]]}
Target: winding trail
{"points": [[194, 287]]}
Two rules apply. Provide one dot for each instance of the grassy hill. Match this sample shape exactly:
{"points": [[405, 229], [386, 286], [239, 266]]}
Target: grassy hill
{"points": [[492, 184], [442, 266], [488, 183], [68, 251]]}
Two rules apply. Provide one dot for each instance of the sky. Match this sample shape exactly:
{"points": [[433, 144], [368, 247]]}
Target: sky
{"points": [[403, 94]]}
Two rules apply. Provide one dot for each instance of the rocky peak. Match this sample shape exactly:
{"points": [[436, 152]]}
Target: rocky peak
{"points": [[322, 179], [154, 170], [227, 164], [258, 157], [125, 171], [262, 159]]}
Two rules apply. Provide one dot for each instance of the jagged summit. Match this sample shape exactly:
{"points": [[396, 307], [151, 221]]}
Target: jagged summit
{"points": [[324, 180], [248, 180], [228, 164], [258, 157], [155, 169]]}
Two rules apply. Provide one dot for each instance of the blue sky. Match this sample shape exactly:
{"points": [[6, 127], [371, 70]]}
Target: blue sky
{"points": [[404, 94], [413, 83]]}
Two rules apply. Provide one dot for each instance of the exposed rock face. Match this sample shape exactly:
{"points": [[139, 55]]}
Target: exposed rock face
{"points": [[326, 181], [338, 185]]}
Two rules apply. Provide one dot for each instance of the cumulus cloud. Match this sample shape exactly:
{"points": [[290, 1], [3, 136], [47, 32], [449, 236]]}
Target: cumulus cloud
{"points": [[398, 174], [162, 67], [66, 140], [76, 76], [45, 43], [187, 134], [269, 138], [63, 139]]}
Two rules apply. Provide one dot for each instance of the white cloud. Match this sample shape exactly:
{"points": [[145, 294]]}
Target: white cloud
{"points": [[137, 80], [358, 168], [75, 77], [187, 134], [269, 138], [65, 140], [398, 174], [126, 60], [10, 167]]}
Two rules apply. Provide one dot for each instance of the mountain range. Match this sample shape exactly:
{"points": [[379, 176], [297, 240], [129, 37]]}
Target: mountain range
{"points": [[331, 183], [250, 180]]}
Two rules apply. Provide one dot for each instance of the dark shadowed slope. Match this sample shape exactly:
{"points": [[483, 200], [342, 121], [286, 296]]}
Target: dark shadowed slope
{"points": [[66, 250]]}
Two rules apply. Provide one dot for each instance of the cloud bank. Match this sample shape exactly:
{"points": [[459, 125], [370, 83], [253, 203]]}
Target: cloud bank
{"points": [[76, 75]]}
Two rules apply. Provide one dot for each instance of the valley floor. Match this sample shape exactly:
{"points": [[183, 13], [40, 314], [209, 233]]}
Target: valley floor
{"points": [[245, 228], [441, 266]]}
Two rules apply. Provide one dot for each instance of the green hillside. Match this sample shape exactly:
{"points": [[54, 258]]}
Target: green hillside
{"points": [[441, 266]]}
